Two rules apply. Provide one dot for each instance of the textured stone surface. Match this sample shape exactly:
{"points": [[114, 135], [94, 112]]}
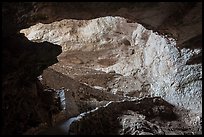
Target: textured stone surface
{"points": [[173, 18], [80, 97], [156, 64], [148, 116], [22, 63]]}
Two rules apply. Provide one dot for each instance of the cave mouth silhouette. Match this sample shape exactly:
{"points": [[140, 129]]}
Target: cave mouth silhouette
{"points": [[85, 41]]}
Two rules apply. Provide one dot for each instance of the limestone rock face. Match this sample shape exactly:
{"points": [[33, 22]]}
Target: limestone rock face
{"points": [[109, 40], [150, 62], [172, 18], [82, 35]]}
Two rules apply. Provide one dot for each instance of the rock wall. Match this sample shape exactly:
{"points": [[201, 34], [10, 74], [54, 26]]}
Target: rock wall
{"points": [[23, 101], [82, 34], [172, 18], [22, 63], [148, 58], [147, 116]]}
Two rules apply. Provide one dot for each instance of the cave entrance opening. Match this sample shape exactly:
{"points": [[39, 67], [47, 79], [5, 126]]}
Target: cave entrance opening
{"points": [[108, 59]]}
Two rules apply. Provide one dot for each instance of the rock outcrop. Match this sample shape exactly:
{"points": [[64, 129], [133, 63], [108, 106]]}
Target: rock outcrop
{"points": [[25, 104], [148, 116], [157, 66]]}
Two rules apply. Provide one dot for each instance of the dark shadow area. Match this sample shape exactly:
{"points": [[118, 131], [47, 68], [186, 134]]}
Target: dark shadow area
{"points": [[108, 120]]}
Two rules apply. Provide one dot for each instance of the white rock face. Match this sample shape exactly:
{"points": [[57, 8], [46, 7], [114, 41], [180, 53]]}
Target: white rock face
{"points": [[75, 34], [155, 61]]}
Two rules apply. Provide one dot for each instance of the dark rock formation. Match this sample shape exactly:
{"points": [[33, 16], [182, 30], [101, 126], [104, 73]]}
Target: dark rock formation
{"points": [[24, 104], [127, 118]]}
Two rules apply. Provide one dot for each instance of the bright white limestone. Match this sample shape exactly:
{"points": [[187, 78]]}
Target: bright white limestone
{"points": [[156, 61]]}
